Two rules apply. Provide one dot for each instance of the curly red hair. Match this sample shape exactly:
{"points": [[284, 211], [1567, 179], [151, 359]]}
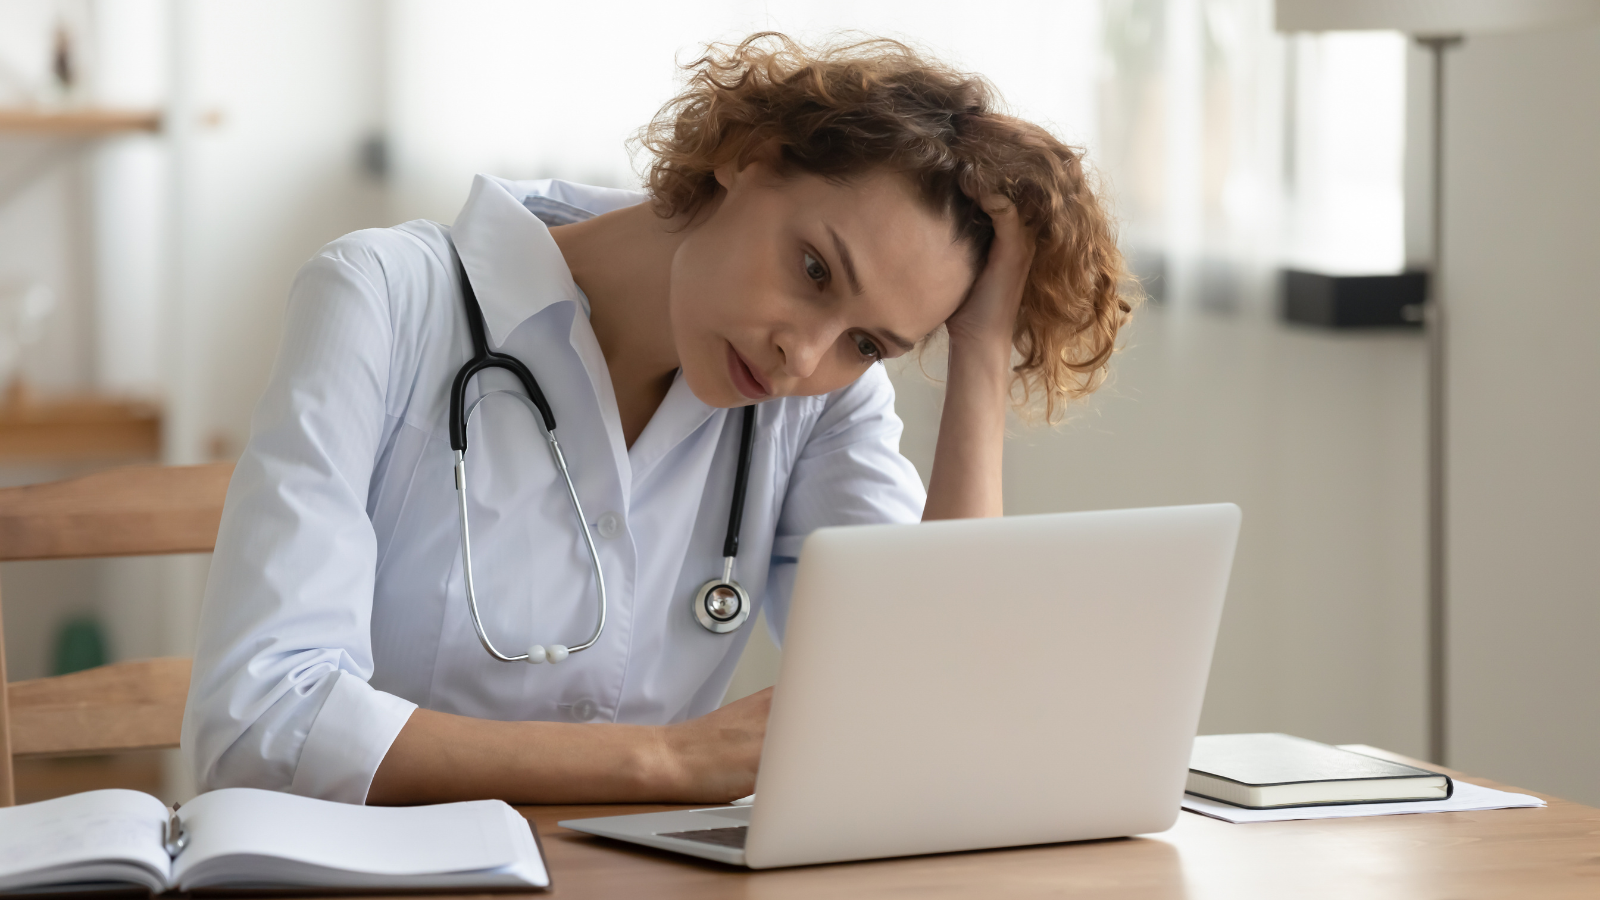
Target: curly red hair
{"points": [[844, 109]]}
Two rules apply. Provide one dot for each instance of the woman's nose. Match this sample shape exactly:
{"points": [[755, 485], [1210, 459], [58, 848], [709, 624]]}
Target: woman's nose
{"points": [[803, 350]]}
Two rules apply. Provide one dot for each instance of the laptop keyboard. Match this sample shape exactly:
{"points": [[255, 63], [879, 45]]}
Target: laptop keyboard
{"points": [[722, 837]]}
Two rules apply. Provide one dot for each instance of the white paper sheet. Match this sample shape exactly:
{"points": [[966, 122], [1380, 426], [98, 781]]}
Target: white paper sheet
{"points": [[1467, 797]]}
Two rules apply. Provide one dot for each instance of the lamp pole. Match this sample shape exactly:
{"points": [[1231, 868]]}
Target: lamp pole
{"points": [[1438, 607]]}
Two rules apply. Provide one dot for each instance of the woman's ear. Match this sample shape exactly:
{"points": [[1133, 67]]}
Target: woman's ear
{"points": [[762, 159]]}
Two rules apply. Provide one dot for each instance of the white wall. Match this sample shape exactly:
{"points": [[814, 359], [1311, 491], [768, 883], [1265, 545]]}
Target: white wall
{"points": [[527, 90], [299, 84], [1317, 436], [1522, 276], [44, 185]]}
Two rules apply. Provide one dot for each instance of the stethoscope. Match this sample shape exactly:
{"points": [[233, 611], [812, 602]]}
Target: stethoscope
{"points": [[720, 605]]}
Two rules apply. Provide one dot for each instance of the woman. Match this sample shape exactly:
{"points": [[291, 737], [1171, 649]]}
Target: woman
{"points": [[810, 213]]}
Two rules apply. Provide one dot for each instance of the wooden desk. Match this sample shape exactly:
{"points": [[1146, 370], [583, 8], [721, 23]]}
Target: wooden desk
{"points": [[1508, 853]]}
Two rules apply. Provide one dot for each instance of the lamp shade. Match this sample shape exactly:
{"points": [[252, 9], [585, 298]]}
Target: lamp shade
{"points": [[1431, 16]]}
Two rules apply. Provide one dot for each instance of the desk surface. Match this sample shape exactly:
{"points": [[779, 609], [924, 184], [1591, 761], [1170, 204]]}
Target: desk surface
{"points": [[1525, 853]]}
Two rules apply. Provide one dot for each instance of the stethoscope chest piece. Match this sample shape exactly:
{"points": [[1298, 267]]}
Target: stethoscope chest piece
{"points": [[721, 605]]}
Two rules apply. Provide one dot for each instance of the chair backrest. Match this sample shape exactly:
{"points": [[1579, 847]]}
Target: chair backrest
{"points": [[134, 511]]}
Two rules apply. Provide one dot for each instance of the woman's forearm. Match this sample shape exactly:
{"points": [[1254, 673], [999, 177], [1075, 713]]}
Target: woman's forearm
{"points": [[965, 483], [440, 757], [966, 480]]}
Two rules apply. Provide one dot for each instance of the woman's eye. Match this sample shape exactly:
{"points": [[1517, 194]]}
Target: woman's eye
{"points": [[815, 270], [867, 348]]}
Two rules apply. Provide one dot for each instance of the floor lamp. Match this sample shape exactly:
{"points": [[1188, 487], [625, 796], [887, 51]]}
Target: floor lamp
{"points": [[1436, 25]]}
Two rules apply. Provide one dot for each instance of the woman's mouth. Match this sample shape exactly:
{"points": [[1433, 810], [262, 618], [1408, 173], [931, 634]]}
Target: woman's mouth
{"points": [[744, 377]]}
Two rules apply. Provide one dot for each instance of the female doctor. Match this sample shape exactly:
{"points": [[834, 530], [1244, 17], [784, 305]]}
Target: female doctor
{"points": [[809, 213]]}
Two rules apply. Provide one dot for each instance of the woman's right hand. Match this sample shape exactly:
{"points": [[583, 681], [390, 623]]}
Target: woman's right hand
{"points": [[713, 759]]}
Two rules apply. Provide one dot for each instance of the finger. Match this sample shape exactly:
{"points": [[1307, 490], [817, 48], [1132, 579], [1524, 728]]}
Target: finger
{"points": [[998, 206], [1007, 220], [1013, 240]]}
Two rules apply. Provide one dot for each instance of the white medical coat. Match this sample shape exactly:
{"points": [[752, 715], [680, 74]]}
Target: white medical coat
{"points": [[335, 603]]}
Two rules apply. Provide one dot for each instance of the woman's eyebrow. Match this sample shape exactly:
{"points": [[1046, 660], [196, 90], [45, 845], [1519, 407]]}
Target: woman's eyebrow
{"points": [[844, 258], [904, 345]]}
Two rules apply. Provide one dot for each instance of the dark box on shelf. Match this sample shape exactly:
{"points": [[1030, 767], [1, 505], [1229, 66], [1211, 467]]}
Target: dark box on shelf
{"points": [[1354, 301]]}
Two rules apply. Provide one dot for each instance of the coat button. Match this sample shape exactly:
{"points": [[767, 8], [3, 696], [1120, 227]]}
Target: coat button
{"points": [[583, 710], [609, 525]]}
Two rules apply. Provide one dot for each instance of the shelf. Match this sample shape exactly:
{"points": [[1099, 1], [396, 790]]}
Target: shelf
{"points": [[78, 122], [75, 428]]}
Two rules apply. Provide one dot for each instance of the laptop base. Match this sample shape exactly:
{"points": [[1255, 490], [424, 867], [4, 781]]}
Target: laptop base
{"points": [[661, 830]]}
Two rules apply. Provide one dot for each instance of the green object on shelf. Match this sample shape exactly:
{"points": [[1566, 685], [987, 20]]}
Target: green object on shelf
{"points": [[80, 645]]}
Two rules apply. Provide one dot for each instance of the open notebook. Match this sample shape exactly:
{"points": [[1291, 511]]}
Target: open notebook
{"points": [[246, 838]]}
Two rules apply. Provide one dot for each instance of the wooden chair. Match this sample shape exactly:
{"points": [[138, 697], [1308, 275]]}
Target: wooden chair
{"points": [[121, 512]]}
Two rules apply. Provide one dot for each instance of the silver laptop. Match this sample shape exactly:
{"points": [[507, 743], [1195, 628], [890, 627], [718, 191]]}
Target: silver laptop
{"points": [[976, 683]]}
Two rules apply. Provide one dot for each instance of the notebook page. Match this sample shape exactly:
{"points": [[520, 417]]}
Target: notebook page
{"points": [[245, 822], [73, 838], [529, 869]]}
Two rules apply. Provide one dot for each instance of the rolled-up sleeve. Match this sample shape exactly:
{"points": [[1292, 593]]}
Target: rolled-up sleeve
{"points": [[849, 472], [279, 697]]}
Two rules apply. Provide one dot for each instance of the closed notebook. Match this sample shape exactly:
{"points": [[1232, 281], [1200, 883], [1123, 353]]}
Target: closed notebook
{"points": [[241, 838], [1269, 771]]}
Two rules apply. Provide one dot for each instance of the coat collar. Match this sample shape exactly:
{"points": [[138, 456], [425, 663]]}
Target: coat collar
{"points": [[504, 240]]}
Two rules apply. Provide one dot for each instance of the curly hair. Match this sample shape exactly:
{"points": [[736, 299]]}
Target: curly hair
{"points": [[844, 109]]}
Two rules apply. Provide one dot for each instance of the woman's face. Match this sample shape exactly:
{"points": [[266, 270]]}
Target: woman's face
{"points": [[794, 286]]}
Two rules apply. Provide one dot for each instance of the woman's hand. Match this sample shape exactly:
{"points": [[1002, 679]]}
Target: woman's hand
{"points": [[714, 758], [988, 317], [966, 480]]}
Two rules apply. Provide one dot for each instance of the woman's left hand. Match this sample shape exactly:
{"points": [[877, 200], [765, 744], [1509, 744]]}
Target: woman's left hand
{"points": [[988, 316]]}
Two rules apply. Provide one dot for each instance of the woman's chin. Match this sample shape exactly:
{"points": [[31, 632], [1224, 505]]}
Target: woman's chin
{"points": [[713, 391]]}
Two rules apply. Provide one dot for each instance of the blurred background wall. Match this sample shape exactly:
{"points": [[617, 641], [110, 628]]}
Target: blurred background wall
{"points": [[1228, 152], [1523, 242]]}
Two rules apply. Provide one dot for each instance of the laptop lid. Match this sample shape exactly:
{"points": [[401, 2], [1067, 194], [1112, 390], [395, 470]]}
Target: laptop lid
{"points": [[987, 683]]}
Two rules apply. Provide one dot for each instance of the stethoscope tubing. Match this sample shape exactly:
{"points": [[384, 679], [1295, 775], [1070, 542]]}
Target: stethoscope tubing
{"points": [[560, 461], [741, 481], [484, 359]]}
